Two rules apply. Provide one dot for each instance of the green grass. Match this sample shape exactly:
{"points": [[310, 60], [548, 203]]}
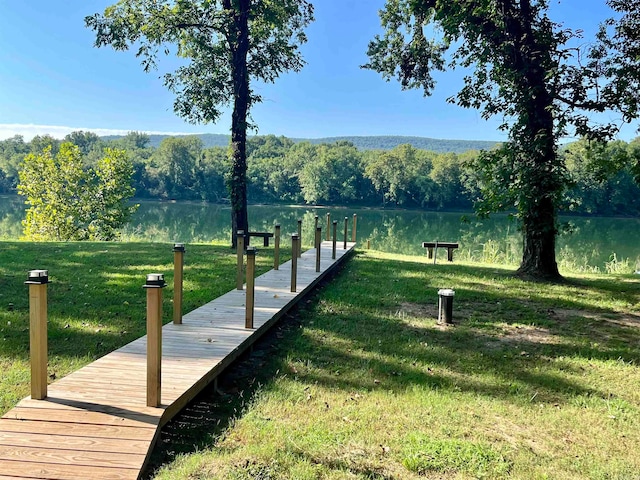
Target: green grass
{"points": [[96, 300], [534, 381]]}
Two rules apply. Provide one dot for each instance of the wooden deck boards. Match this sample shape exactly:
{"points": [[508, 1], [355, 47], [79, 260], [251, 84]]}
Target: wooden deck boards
{"points": [[94, 423]]}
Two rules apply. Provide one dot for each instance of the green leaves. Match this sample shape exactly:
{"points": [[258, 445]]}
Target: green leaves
{"points": [[70, 202]]}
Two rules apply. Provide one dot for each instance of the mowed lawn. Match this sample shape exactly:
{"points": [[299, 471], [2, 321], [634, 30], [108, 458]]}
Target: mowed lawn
{"points": [[96, 300], [534, 381]]}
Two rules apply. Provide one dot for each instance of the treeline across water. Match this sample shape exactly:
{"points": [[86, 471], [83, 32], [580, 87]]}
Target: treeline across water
{"points": [[281, 171]]}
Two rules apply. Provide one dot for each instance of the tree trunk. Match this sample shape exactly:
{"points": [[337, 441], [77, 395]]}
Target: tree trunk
{"points": [[538, 162], [238, 184]]}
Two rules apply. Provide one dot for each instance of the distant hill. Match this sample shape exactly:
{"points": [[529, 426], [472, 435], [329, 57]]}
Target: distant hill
{"points": [[381, 142]]}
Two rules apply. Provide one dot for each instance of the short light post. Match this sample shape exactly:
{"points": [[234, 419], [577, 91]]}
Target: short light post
{"points": [[328, 234], [155, 284], [295, 245], [353, 228], [445, 305], [276, 248], [335, 239], [240, 257], [318, 245], [346, 224], [299, 238], [37, 281], [178, 271], [250, 296]]}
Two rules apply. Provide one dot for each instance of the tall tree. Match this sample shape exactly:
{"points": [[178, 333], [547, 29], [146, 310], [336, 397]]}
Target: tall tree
{"points": [[528, 69], [228, 43]]}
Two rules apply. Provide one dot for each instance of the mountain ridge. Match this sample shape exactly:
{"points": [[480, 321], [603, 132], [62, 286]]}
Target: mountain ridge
{"points": [[362, 142]]}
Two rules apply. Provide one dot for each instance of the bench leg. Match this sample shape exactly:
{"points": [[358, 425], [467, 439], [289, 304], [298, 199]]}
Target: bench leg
{"points": [[266, 241], [450, 254], [429, 252]]}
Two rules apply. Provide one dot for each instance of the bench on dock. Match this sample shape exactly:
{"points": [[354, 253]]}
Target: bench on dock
{"points": [[264, 235], [450, 246]]}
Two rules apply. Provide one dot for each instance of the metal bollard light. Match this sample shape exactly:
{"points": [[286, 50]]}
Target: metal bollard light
{"points": [[276, 248], [250, 297], [335, 239], [37, 281], [299, 238], [295, 246], [178, 270], [240, 256], [445, 305], [318, 245], [155, 284]]}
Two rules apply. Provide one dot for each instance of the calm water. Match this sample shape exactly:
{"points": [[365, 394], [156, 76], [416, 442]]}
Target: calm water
{"points": [[591, 243]]}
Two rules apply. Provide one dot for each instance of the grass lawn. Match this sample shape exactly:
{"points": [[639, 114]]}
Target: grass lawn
{"points": [[96, 300], [534, 381]]}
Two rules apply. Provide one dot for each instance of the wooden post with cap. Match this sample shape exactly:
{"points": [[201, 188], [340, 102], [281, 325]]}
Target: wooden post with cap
{"points": [[328, 234], [295, 246], [346, 224], [178, 270], [250, 296], [299, 238], [240, 255], [318, 245], [37, 281], [335, 239], [155, 284], [353, 228], [276, 248]]}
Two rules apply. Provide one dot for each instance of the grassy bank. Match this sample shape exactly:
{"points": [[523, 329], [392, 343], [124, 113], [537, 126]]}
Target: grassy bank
{"points": [[96, 299], [534, 381]]}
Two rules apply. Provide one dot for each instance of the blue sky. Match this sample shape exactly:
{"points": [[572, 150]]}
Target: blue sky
{"points": [[52, 80]]}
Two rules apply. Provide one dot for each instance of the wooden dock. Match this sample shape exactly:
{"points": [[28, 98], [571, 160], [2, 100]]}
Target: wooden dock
{"points": [[94, 423]]}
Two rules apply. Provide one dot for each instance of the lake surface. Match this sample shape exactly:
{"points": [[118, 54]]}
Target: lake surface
{"points": [[591, 243]]}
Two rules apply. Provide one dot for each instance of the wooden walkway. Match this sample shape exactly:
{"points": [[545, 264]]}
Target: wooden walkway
{"points": [[95, 424]]}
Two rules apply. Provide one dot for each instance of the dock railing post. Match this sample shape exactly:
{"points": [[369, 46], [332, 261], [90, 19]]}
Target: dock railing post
{"points": [[353, 228], [328, 234], [346, 223], [155, 284], [178, 271], [318, 245], [317, 219], [37, 281], [335, 239], [250, 296], [276, 248], [240, 255], [299, 238], [295, 241]]}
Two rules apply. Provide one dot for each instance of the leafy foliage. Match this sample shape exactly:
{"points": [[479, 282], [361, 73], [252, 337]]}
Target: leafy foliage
{"points": [[524, 68], [227, 45], [68, 201]]}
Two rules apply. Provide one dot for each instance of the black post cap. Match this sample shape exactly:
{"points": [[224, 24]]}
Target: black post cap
{"points": [[38, 277]]}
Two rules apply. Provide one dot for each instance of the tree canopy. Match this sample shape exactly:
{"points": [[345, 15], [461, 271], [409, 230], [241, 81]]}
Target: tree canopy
{"points": [[68, 201], [526, 68], [227, 45]]}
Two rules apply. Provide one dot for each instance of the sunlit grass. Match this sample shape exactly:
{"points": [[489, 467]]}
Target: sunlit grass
{"points": [[96, 300], [533, 381]]}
